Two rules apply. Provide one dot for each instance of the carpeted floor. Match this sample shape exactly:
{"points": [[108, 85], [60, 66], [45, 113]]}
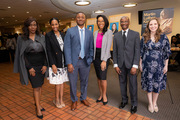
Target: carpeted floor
{"points": [[169, 109]]}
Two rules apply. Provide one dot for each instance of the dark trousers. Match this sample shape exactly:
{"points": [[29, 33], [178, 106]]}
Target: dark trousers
{"points": [[125, 73], [83, 69]]}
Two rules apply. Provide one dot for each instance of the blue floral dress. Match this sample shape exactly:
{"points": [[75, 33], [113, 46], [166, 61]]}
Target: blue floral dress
{"points": [[153, 56]]}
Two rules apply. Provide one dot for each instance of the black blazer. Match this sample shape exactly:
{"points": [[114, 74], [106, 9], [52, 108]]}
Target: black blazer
{"points": [[53, 49]]}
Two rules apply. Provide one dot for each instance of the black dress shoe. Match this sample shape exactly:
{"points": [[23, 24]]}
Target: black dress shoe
{"points": [[40, 116], [99, 100], [122, 105], [133, 109]]}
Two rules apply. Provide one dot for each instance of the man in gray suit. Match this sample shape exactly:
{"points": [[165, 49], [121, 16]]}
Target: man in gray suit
{"points": [[126, 55], [79, 51]]}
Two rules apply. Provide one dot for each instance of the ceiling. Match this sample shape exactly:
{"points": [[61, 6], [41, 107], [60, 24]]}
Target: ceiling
{"points": [[43, 10]]}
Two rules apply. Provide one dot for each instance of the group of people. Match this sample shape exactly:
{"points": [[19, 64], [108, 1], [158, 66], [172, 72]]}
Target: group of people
{"points": [[175, 57], [62, 58]]}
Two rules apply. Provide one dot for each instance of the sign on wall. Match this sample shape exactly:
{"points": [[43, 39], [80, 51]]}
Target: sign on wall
{"points": [[165, 17]]}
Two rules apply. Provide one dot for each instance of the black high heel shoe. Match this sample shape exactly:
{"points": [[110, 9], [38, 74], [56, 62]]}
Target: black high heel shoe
{"points": [[40, 116], [104, 103], [41, 109], [99, 100]]}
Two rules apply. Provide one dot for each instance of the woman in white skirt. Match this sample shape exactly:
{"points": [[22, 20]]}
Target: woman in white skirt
{"points": [[57, 70]]}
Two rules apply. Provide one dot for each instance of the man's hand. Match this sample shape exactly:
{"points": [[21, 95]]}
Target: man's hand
{"points": [[118, 70], [32, 72], [44, 68], [133, 71], [70, 68]]}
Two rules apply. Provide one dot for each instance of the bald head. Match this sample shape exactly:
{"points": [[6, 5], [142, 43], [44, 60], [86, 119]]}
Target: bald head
{"points": [[124, 21]]}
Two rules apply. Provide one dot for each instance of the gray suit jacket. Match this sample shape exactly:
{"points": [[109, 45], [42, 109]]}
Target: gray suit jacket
{"points": [[106, 44], [19, 62], [128, 54]]}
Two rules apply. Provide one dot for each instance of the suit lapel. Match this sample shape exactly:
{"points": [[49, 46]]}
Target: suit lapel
{"points": [[128, 36], [95, 37], [55, 39], [24, 46], [85, 39]]}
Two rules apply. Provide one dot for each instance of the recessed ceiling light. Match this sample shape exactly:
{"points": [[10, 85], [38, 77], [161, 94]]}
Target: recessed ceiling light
{"points": [[99, 11], [57, 12], [7, 22], [9, 7], [13, 15], [2, 18], [128, 5], [27, 12], [40, 15], [82, 2], [16, 20], [29, 0]]}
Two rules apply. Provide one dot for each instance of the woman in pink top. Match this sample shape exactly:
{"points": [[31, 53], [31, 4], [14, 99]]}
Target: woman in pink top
{"points": [[102, 44]]}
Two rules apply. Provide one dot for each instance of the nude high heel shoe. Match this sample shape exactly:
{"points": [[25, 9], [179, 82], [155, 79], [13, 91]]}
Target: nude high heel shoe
{"points": [[156, 108], [151, 110]]}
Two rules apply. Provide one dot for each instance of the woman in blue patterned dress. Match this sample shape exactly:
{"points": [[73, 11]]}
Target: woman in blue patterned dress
{"points": [[155, 51]]}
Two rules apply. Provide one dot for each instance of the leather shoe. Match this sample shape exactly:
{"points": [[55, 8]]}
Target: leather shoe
{"points": [[133, 109], [122, 105], [85, 102], [99, 100], [74, 106]]}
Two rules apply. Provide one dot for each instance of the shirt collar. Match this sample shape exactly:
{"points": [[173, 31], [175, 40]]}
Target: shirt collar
{"points": [[80, 28], [125, 30]]}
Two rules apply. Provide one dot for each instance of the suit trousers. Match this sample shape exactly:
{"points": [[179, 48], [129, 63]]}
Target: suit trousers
{"points": [[83, 69], [123, 79]]}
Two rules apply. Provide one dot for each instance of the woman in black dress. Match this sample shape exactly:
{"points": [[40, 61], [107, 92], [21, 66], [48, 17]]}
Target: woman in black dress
{"points": [[30, 60]]}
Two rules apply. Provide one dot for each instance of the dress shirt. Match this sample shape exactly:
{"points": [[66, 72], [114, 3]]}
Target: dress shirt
{"points": [[116, 65]]}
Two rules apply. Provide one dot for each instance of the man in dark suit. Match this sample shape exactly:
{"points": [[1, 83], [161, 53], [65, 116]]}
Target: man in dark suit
{"points": [[78, 48], [126, 55]]}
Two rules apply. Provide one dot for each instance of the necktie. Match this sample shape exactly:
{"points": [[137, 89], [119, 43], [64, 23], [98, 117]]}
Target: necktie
{"points": [[82, 44], [124, 37]]}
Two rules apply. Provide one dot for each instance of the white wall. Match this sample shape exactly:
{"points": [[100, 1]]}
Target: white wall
{"points": [[145, 6]]}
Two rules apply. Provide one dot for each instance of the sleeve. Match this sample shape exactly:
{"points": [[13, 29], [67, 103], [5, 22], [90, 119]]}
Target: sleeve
{"points": [[49, 50], [137, 50], [17, 57], [141, 48], [108, 47], [67, 47], [115, 51], [166, 48]]}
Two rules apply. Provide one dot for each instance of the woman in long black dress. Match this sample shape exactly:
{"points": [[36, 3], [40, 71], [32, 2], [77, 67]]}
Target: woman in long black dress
{"points": [[30, 60]]}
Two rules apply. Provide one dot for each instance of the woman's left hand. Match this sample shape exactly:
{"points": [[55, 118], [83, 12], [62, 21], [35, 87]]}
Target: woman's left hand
{"points": [[165, 69], [103, 65], [44, 68]]}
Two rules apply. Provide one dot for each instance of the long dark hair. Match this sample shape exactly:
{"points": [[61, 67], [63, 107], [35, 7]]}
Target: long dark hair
{"points": [[147, 32], [106, 23], [25, 29]]}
